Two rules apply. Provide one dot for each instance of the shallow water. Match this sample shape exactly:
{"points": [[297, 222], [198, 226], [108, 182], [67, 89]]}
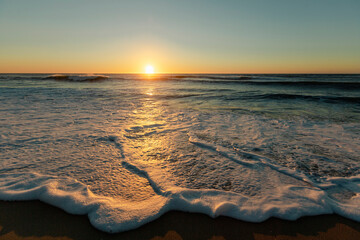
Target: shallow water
{"points": [[124, 149]]}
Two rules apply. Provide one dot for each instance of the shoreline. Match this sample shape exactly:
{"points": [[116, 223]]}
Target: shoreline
{"points": [[34, 220]]}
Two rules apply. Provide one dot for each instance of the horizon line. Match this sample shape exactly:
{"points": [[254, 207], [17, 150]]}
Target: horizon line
{"points": [[141, 73]]}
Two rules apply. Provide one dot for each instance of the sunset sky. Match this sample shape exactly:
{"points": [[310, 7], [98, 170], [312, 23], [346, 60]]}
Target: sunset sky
{"points": [[204, 36]]}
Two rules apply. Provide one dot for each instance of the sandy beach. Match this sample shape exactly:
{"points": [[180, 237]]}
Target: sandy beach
{"points": [[34, 220]]}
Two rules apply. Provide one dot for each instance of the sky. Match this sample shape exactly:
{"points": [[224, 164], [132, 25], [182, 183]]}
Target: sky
{"points": [[203, 36]]}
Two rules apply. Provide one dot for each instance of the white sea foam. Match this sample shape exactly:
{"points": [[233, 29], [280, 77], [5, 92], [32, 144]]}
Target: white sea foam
{"points": [[287, 202]]}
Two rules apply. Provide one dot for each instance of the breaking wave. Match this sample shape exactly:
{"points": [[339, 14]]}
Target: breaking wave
{"points": [[77, 78]]}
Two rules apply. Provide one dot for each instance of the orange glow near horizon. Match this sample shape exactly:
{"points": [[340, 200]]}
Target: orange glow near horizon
{"points": [[138, 64]]}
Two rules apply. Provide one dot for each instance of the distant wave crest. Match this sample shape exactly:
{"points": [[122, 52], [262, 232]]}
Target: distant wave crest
{"points": [[77, 78], [214, 77]]}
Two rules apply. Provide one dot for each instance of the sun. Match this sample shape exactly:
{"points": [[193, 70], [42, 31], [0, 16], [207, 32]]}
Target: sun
{"points": [[149, 69]]}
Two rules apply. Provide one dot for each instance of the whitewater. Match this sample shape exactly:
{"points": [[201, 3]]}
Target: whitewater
{"points": [[125, 148]]}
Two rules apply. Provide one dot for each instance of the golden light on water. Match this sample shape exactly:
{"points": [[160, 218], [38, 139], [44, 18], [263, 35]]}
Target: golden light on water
{"points": [[149, 69]]}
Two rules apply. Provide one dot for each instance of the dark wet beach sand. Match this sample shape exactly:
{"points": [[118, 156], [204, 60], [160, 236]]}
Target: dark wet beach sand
{"points": [[34, 220]]}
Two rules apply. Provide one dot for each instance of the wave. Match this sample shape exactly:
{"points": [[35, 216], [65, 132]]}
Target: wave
{"points": [[284, 96], [344, 82], [112, 215], [343, 85], [221, 77], [254, 96], [287, 199], [56, 77], [77, 78], [322, 84]]}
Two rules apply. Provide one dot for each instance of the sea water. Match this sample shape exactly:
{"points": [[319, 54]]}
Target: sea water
{"points": [[124, 149]]}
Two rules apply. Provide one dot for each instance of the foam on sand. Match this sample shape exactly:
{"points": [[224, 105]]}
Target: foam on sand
{"points": [[287, 202]]}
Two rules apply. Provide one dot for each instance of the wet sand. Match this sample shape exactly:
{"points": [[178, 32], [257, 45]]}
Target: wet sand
{"points": [[34, 220]]}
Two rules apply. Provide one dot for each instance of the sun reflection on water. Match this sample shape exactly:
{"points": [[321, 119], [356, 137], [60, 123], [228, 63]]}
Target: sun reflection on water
{"points": [[145, 133]]}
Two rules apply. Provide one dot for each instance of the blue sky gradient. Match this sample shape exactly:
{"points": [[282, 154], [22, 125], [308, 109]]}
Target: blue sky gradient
{"points": [[318, 36]]}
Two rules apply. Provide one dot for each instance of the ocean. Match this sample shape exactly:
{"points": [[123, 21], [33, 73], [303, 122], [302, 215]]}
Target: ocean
{"points": [[126, 148]]}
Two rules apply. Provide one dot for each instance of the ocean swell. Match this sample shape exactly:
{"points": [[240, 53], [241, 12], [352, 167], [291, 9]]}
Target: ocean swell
{"points": [[77, 78]]}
